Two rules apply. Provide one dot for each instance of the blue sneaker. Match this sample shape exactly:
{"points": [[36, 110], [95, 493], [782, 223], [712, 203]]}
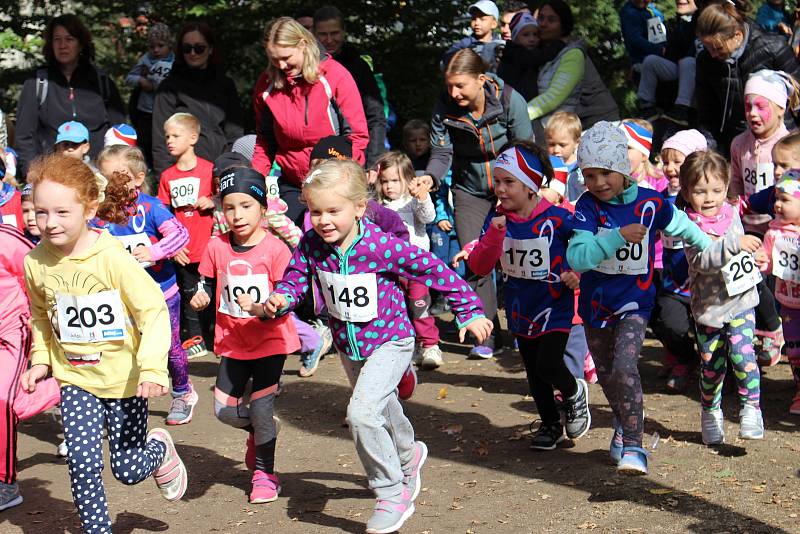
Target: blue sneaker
{"points": [[484, 351], [633, 462], [310, 360], [9, 495], [615, 449]]}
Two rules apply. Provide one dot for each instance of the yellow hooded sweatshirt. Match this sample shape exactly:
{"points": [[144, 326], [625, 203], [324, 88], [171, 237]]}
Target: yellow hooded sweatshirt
{"points": [[98, 319]]}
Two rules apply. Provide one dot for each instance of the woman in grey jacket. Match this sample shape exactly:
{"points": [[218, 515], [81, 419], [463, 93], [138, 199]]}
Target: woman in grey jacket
{"points": [[470, 125]]}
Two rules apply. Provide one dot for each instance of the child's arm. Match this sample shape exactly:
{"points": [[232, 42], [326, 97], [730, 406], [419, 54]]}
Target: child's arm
{"points": [[175, 237], [135, 74], [295, 284], [719, 252], [736, 185], [163, 193], [587, 250], [762, 202], [681, 226], [487, 252], [284, 228], [424, 212], [764, 255], [42, 344]]}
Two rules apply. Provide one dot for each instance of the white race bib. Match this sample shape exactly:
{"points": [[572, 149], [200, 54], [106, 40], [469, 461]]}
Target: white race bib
{"points": [[630, 259], [740, 273], [758, 177], [130, 242], [258, 286], [184, 191], [158, 71], [786, 259], [352, 298], [526, 258], [656, 31], [671, 242], [272, 187], [90, 318], [10, 220]]}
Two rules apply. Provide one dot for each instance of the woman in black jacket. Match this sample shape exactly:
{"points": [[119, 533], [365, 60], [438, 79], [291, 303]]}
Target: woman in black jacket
{"points": [[68, 88], [733, 49], [197, 85]]}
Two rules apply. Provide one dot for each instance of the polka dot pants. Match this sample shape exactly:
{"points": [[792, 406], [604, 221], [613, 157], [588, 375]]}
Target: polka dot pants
{"points": [[132, 460]]}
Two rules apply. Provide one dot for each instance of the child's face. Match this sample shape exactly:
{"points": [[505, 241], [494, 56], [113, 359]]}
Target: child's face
{"points": [[707, 196], [158, 49], [417, 143], [29, 217], [763, 116], [73, 150], [482, 25], [636, 158], [783, 159], [60, 215], [243, 214], [511, 193], [179, 139], [561, 144], [528, 37], [603, 183], [685, 7], [787, 207], [109, 166], [673, 159], [392, 184], [333, 215]]}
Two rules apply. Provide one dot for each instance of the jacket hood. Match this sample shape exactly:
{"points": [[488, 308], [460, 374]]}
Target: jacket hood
{"points": [[104, 241]]}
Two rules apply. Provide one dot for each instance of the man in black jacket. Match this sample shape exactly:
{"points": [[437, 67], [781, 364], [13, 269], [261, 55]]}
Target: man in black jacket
{"points": [[329, 29]]}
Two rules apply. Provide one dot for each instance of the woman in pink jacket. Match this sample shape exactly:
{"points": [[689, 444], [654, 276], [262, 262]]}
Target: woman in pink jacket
{"points": [[303, 96]]}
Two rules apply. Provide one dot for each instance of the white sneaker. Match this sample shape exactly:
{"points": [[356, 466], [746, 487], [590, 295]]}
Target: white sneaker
{"points": [[62, 450], [431, 358], [712, 426], [751, 424]]}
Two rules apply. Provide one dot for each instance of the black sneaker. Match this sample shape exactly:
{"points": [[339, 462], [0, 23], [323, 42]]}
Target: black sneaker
{"points": [[648, 112], [547, 436], [678, 114], [577, 418]]}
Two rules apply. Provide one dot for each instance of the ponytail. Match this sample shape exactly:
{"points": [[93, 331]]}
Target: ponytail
{"points": [[723, 19]]}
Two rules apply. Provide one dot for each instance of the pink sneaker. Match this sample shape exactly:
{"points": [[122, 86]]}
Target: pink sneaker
{"points": [[250, 452], [768, 350], [589, 371], [171, 477], [407, 385], [265, 488]]}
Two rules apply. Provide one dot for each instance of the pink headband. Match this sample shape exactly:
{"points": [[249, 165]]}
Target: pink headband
{"points": [[686, 142]]}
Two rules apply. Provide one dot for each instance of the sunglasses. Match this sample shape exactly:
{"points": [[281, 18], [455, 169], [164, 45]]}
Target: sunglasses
{"points": [[198, 48]]}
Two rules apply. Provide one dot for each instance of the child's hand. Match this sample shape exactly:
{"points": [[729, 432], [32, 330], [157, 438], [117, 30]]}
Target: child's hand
{"points": [[462, 255], [30, 377], [444, 225], [146, 85], [204, 204], [633, 233], [480, 328], [550, 195], [499, 222], [182, 257], [749, 243], [571, 280], [246, 303], [147, 390], [426, 181], [275, 303], [142, 254], [761, 258], [199, 301]]}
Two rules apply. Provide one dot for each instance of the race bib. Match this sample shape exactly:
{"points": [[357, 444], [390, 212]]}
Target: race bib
{"points": [[10, 220], [184, 191], [786, 259], [740, 273], [158, 71], [90, 318], [758, 177], [352, 298], [258, 286], [630, 259], [130, 242], [671, 242], [526, 258], [272, 187], [656, 31]]}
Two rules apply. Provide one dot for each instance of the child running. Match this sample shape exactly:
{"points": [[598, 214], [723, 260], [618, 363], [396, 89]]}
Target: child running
{"points": [[723, 284], [101, 326], [782, 246], [152, 235], [358, 266], [240, 268], [615, 226], [528, 236]]}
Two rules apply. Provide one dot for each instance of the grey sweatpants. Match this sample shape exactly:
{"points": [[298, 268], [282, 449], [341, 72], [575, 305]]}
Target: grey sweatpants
{"points": [[383, 435]]}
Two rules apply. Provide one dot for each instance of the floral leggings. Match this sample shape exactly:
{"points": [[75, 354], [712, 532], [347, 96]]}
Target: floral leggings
{"points": [[615, 350], [733, 341]]}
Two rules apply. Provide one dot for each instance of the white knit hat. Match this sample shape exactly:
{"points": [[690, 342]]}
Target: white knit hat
{"points": [[604, 146]]}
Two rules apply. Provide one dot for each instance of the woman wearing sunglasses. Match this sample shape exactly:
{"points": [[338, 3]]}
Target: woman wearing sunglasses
{"points": [[198, 85]]}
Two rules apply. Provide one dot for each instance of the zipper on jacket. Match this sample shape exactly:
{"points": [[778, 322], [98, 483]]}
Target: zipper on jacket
{"points": [[305, 110], [482, 144], [343, 267], [72, 102]]}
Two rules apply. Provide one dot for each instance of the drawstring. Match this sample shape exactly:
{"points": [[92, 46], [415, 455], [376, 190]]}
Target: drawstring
{"points": [[727, 95]]}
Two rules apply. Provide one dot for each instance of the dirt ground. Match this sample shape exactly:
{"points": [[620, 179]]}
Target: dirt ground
{"points": [[480, 475]]}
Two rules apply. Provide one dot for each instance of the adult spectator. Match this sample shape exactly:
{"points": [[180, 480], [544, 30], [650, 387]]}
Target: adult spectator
{"points": [[677, 63], [733, 49], [305, 16], [303, 96], [67, 88], [570, 81], [772, 17], [330, 30], [198, 85], [510, 8], [471, 122]]}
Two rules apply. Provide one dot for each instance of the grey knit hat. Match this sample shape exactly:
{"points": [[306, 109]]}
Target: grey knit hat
{"points": [[604, 146], [159, 33], [245, 145]]}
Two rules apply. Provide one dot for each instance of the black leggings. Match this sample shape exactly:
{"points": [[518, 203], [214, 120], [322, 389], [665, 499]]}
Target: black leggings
{"points": [[544, 364], [672, 323]]}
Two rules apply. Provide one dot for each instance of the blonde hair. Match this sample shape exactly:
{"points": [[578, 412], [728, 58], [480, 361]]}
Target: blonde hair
{"points": [[405, 169], [184, 120], [791, 143], [564, 120], [287, 32], [648, 169], [68, 172], [344, 175]]}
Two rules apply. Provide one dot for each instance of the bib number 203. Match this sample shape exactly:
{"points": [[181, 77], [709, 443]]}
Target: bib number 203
{"points": [[87, 317], [358, 298]]}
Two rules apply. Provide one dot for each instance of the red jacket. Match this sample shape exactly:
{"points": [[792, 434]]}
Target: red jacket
{"points": [[290, 121]]}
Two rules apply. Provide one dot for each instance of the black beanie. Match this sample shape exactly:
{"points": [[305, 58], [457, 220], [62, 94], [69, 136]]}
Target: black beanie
{"points": [[243, 180], [229, 159], [332, 147]]}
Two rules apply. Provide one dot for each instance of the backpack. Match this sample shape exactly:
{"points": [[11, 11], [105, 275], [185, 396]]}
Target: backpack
{"points": [[42, 82]]}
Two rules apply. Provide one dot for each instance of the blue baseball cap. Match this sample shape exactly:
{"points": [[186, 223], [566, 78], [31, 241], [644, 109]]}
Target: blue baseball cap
{"points": [[72, 131]]}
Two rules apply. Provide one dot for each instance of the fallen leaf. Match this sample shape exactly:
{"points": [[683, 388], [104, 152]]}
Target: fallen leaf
{"points": [[483, 448], [587, 526], [442, 394], [660, 491], [453, 429]]}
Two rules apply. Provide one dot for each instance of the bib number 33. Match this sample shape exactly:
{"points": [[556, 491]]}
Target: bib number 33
{"points": [[352, 298]]}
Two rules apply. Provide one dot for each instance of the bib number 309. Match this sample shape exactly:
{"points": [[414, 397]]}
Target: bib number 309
{"points": [[740, 274], [184, 191], [352, 298], [90, 318]]}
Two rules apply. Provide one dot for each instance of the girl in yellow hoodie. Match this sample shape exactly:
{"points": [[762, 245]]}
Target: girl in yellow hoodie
{"points": [[100, 324]]}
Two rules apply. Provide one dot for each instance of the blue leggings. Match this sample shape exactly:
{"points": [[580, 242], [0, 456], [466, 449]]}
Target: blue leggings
{"points": [[132, 460]]}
